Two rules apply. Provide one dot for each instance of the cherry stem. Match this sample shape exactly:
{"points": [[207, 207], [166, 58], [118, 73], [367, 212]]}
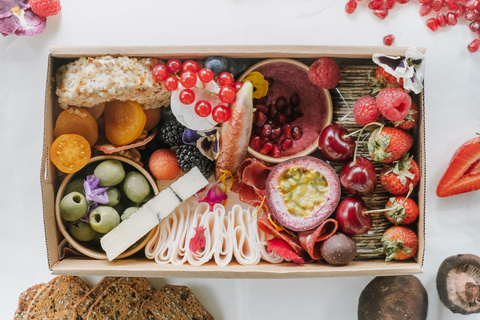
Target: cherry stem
{"points": [[358, 138]]}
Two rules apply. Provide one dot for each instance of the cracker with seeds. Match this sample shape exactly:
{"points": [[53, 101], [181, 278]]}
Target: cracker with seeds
{"points": [[81, 307], [25, 299]]}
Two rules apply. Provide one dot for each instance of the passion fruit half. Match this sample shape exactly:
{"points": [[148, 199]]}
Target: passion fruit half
{"points": [[302, 192]]}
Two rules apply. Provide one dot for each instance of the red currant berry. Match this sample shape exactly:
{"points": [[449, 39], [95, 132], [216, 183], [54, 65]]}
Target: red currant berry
{"points": [[205, 75], [187, 96], [203, 108], [350, 6], [221, 113], [225, 78], [238, 85], [190, 65], [227, 94], [171, 83], [188, 79], [174, 65], [388, 40], [473, 46], [160, 72]]}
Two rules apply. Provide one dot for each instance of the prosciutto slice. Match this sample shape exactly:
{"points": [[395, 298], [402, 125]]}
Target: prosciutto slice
{"points": [[311, 240], [249, 181]]}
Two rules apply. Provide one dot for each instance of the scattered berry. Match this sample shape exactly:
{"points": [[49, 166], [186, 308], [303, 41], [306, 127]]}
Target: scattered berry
{"points": [[171, 83], [350, 6], [227, 94], [225, 78], [205, 75], [45, 8], [188, 79], [171, 132], [473, 46], [187, 96], [189, 157], [190, 65], [174, 65], [394, 103], [160, 72], [432, 23], [221, 113], [441, 20], [365, 110], [425, 9], [203, 108], [381, 13], [388, 40], [375, 4], [325, 73], [163, 164]]}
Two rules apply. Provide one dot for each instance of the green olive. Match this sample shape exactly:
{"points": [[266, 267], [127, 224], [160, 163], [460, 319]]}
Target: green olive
{"points": [[73, 206], [104, 218], [109, 172], [75, 185], [136, 186], [113, 196], [81, 231], [128, 212]]}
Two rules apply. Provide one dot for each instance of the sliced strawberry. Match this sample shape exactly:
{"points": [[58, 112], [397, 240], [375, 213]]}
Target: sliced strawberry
{"points": [[463, 172]]}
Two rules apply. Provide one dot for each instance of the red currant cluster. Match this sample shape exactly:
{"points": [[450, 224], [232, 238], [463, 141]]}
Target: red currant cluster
{"points": [[190, 73], [448, 12]]}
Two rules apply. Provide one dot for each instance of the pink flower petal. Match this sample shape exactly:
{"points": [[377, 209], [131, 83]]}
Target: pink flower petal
{"points": [[198, 241], [282, 248]]}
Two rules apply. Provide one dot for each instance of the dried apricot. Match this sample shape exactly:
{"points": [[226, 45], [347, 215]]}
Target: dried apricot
{"points": [[77, 121], [124, 121], [97, 110], [153, 118], [70, 152]]}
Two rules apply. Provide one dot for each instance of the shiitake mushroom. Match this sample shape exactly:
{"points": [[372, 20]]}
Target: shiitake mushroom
{"points": [[458, 283], [393, 298]]}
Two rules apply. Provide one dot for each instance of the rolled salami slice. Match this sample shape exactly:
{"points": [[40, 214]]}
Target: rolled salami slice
{"points": [[311, 239]]}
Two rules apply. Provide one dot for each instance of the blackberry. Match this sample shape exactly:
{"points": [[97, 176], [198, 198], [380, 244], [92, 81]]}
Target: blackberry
{"points": [[171, 132], [189, 157]]}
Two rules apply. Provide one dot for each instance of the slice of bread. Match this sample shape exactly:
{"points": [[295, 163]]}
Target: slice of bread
{"points": [[122, 299], [57, 299], [25, 300], [81, 307], [174, 302]]}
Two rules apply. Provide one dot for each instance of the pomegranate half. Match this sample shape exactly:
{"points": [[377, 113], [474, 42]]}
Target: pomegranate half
{"points": [[302, 192]]}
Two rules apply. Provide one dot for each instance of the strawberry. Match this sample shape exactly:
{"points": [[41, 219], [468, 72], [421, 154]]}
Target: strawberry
{"points": [[402, 210], [387, 144], [45, 8], [399, 243], [384, 79], [397, 178], [410, 120], [463, 172]]}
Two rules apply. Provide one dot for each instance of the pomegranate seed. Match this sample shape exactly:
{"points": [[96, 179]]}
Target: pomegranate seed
{"points": [[473, 46], [255, 143], [261, 107], [441, 19], [375, 4], [471, 4], [296, 133], [475, 25], [472, 15], [437, 5], [451, 5], [276, 152], [432, 24], [287, 144], [281, 104], [350, 6], [460, 11], [403, 1], [259, 118], [266, 147], [381, 13], [425, 9], [389, 4], [276, 132], [266, 130], [451, 19], [296, 115], [388, 40], [287, 130], [295, 99], [282, 119], [425, 1]]}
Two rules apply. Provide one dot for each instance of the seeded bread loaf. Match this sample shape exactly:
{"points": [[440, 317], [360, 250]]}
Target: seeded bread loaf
{"points": [[174, 302], [82, 306], [25, 299], [121, 300], [57, 299]]}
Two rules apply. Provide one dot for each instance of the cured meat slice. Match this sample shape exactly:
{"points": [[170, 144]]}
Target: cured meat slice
{"points": [[249, 181], [311, 239]]}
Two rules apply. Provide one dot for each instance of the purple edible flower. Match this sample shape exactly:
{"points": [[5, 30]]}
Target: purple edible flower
{"points": [[206, 141], [16, 17], [93, 192], [214, 195], [86, 216]]}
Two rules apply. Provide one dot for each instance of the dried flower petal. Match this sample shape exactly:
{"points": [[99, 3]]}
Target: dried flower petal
{"points": [[259, 83], [93, 192], [282, 248], [215, 195], [16, 17], [198, 241]]}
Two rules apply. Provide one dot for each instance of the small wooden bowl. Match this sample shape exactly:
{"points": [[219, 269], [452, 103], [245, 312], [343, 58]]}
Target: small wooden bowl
{"points": [[92, 250], [327, 101]]}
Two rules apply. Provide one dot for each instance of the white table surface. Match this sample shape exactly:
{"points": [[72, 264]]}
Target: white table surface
{"points": [[452, 111]]}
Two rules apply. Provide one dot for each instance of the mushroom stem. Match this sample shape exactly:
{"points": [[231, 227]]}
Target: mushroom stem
{"points": [[472, 292]]}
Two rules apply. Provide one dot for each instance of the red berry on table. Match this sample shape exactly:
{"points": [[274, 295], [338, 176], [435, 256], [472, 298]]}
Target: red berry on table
{"points": [[365, 110], [398, 178], [225, 78], [325, 73], [187, 96], [441, 19], [388, 40], [171, 83], [400, 243], [238, 85], [205, 75], [190, 65], [174, 65], [221, 114], [425, 9], [387, 144], [227, 94], [160, 72], [188, 79], [203, 108], [401, 210], [45, 8], [473, 46], [350, 6], [394, 103], [432, 24]]}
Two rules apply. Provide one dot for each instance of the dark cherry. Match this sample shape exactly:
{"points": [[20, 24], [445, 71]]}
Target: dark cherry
{"points": [[351, 216], [358, 177], [335, 144]]}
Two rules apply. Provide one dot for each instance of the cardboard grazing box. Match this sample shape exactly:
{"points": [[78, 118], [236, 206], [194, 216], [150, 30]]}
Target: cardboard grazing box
{"points": [[138, 265]]}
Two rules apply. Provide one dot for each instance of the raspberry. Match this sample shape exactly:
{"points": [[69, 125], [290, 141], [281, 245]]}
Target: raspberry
{"points": [[365, 110], [324, 73], [394, 103], [164, 165], [45, 8]]}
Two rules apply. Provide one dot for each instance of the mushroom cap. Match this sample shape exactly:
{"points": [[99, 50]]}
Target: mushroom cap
{"points": [[393, 298], [458, 283]]}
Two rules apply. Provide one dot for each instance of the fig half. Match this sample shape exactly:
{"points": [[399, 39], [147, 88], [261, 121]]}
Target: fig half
{"points": [[302, 192]]}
